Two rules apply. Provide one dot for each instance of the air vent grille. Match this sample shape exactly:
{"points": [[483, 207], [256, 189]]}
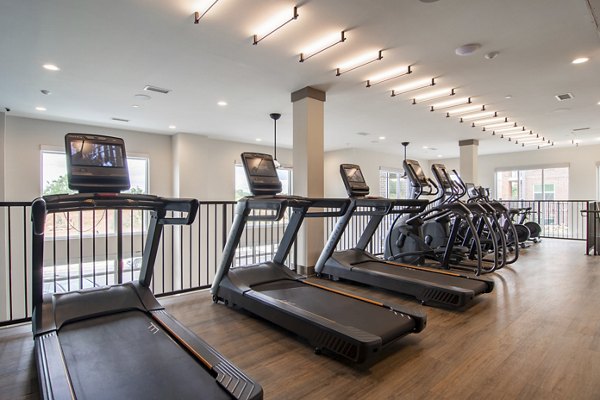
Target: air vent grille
{"points": [[581, 129], [120, 119], [563, 97], [156, 89]]}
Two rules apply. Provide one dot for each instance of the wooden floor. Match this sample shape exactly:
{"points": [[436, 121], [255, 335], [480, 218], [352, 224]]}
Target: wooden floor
{"points": [[537, 336]]}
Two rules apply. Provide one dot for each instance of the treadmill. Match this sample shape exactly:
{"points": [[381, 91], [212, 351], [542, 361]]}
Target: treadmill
{"points": [[344, 325], [118, 342], [430, 286]]}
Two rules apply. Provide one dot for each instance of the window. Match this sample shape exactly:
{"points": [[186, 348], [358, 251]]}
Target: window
{"points": [[533, 184], [543, 193], [87, 223], [241, 183], [392, 185], [54, 173]]}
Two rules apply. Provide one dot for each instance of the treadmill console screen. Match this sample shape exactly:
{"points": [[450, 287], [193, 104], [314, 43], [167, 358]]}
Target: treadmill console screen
{"points": [[261, 174], [354, 181], [96, 163]]}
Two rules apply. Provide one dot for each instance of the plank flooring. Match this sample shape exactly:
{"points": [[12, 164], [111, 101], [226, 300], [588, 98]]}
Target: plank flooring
{"points": [[537, 336]]}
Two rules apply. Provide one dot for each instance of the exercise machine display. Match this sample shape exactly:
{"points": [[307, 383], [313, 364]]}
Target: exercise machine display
{"points": [[429, 286], [118, 342], [342, 324]]}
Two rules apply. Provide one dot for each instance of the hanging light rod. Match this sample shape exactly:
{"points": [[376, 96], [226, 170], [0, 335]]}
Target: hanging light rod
{"points": [[465, 110], [450, 103], [389, 75], [529, 140], [358, 62], [274, 25], [416, 85], [198, 16], [499, 125], [438, 94], [481, 115], [320, 47]]}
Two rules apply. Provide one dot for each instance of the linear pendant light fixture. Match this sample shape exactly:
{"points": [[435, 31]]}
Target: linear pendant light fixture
{"points": [[465, 110], [358, 62], [438, 94], [450, 103], [389, 75], [476, 116], [416, 85], [321, 46], [274, 25], [515, 130], [499, 125], [483, 122], [198, 16]]}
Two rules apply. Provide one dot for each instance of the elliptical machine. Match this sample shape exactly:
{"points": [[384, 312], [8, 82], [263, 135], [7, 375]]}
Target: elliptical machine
{"points": [[406, 242]]}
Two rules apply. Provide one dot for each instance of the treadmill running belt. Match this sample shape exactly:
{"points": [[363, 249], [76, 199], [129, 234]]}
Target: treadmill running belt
{"points": [[129, 356], [341, 309]]}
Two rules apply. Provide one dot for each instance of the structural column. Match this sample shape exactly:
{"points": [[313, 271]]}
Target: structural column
{"points": [[469, 153], [308, 152]]}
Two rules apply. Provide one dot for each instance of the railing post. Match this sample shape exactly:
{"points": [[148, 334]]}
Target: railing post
{"points": [[119, 246]]}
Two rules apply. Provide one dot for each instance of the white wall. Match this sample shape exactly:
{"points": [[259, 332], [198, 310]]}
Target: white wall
{"points": [[582, 163], [205, 167], [26, 136]]}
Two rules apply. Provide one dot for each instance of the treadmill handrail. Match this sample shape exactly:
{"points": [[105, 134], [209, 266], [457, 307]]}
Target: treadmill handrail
{"points": [[89, 201], [279, 204]]}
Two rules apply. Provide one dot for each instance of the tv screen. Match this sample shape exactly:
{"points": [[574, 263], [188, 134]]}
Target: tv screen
{"points": [[87, 153], [354, 175], [258, 166]]}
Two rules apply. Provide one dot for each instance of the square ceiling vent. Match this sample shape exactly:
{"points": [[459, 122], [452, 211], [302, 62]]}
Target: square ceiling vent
{"points": [[563, 97]]}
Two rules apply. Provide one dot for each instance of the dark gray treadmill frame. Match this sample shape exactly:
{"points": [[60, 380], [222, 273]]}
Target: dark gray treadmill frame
{"points": [[53, 311], [430, 287], [238, 287]]}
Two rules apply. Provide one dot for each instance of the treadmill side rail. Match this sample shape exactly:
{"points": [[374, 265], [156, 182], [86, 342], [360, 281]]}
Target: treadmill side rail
{"points": [[238, 384], [54, 380]]}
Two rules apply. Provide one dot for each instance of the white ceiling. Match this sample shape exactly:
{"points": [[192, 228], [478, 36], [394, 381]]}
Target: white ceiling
{"points": [[109, 50]]}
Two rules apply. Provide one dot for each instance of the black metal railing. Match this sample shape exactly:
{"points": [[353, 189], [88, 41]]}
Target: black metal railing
{"points": [[95, 248], [559, 219]]}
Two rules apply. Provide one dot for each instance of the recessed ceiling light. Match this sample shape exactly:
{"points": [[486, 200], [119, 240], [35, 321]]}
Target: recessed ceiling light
{"points": [[135, 106], [41, 108], [440, 156], [580, 60], [258, 139], [599, 103], [508, 96], [222, 103], [51, 67], [172, 127], [425, 147], [142, 97], [467, 49], [491, 55], [381, 137]]}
